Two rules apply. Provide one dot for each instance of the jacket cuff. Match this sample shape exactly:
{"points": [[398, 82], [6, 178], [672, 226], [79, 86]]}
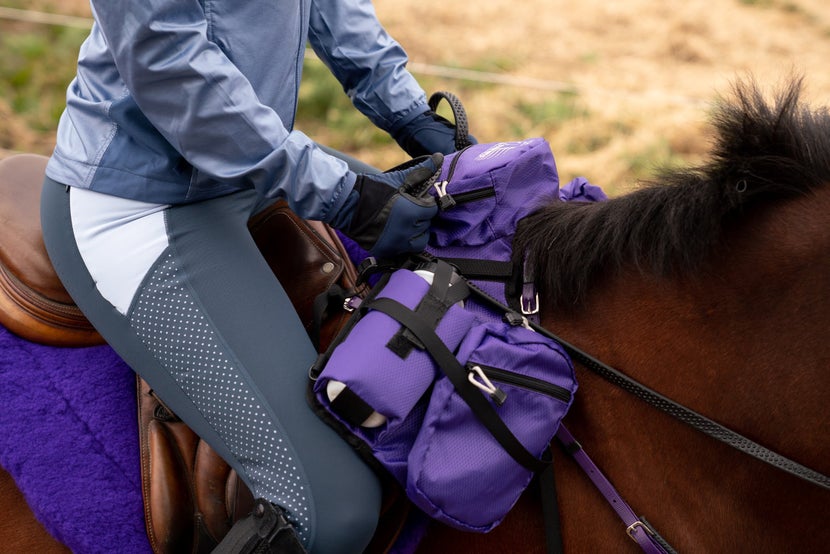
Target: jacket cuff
{"points": [[407, 117]]}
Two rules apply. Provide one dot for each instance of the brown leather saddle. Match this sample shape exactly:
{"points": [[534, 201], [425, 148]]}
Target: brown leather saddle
{"points": [[191, 496]]}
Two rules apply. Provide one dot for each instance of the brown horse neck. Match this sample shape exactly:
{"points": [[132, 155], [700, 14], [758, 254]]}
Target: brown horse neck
{"points": [[745, 342]]}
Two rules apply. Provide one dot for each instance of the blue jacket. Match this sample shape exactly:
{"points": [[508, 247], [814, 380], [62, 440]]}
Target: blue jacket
{"points": [[181, 100]]}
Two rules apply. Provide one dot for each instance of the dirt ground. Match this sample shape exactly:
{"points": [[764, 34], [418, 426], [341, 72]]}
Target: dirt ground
{"points": [[638, 76]]}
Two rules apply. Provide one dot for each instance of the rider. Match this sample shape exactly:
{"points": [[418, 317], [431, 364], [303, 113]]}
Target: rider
{"points": [[179, 127]]}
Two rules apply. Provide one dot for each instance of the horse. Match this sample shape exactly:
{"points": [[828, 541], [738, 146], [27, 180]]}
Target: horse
{"points": [[710, 286]]}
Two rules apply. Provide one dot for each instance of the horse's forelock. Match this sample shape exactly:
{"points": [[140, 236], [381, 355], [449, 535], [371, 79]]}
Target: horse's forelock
{"points": [[762, 151]]}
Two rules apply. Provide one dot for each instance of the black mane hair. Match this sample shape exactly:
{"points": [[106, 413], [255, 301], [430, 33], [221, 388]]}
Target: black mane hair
{"points": [[762, 151]]}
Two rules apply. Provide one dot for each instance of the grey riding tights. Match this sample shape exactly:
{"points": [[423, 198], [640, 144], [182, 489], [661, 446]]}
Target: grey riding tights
{"points": [[212, 331]]}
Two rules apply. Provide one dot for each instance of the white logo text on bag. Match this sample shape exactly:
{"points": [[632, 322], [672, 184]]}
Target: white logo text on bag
{"points": [[499, 149]]}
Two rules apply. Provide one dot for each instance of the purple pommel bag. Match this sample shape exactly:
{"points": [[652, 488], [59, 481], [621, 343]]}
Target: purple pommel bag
{"points": [[483, 191], [439, 376]]}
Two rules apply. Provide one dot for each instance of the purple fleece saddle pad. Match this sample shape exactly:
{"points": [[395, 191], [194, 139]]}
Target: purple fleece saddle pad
{"points": [[69, 439]]}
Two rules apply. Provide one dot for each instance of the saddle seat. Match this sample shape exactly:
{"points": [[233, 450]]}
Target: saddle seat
{"points": [[33, 302], [191, 496]]}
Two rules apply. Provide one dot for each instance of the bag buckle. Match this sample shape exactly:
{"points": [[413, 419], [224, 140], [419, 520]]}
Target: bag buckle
{"points": [[515, 320], [498, 395]]}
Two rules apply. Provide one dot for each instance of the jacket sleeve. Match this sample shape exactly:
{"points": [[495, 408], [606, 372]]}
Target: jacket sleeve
{"points": [[347, 36], [208, 111]]}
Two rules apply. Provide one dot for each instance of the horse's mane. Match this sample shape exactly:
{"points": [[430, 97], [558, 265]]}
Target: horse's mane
{"points": [[762, 151]]}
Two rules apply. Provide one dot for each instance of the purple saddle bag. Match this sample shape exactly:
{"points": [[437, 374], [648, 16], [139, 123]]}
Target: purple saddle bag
{"points": [[458, 407], [458, 472], [439, 376], [483, 191]]}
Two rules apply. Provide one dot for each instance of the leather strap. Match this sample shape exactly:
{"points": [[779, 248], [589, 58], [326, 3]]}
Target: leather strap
{"points": [[636, 527]]}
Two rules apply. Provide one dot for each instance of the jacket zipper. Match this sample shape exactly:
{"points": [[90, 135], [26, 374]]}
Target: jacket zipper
{"points": [[523, 381]]}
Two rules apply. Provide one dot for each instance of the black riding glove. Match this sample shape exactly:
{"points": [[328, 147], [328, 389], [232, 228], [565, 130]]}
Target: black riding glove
{"points": [[383, 215]]}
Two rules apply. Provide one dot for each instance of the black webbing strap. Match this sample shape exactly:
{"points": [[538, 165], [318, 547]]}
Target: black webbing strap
{"points": [[432, 307], [550, 509], [495, 271], [332, 297], [480, 406], [350, 407], [482, 270]]}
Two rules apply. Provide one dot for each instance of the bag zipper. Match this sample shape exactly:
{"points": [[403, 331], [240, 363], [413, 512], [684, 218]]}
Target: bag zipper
{"points": [[446, 201], [523, 381], [473, 195]]}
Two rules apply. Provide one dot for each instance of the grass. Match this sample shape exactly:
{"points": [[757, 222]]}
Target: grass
{"points": [[36, 66], [651, 158]]}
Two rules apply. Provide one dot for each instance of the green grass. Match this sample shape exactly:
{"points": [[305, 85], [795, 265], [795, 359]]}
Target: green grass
{"points": [[649, 161], [36, 66], [562, 108]]}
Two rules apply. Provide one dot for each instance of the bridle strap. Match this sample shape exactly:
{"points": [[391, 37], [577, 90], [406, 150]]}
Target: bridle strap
{"points": [[691, 417], [678, 411], [636, 527]]}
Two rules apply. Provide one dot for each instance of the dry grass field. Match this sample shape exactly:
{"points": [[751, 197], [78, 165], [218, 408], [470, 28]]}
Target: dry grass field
{"points": [[616, 87], [642, 73]]}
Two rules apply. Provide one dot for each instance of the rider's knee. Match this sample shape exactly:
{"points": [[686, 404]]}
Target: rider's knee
{"points": [[346, 528]]}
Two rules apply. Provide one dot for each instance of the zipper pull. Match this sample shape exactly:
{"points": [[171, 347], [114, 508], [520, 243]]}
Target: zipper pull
{"points": [[496, 394], [445, 200]]}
